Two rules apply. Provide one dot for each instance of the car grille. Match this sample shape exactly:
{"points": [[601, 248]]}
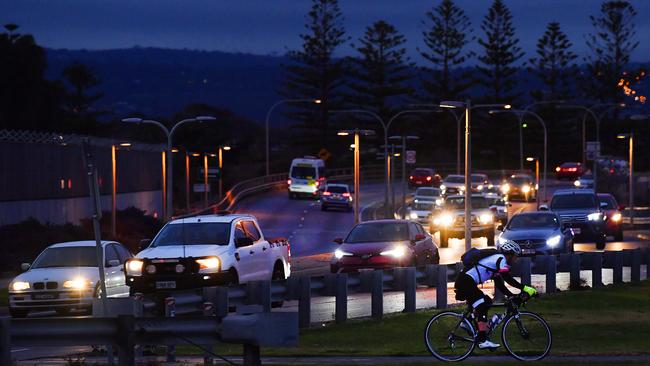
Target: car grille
{"points": [[574, 218], [460, 220], [43, 285], [531, 243]]}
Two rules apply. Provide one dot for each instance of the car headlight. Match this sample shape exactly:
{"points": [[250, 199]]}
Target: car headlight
{"points": [[340, 254], [485, 219], [77, 284], [479, 187], [439, 201], [553, 240], [397, 252], [443, 220], [501, 240], [413, 216], [576, 183], [616, 217], [596, 216], [505, 188], [443, 187], [209, 264], [525, 188], [415, 201], [134, 267], [20, 286]]}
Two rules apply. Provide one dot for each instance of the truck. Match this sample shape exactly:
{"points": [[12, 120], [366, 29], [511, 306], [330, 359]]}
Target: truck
{"points": [[207, 250]]}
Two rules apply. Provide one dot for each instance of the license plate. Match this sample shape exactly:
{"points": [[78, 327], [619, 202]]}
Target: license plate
{"points": [[165, 284], [576, 230], [45, 296], [527, 251]]}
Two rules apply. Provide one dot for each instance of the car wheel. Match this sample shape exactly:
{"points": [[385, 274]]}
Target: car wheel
{"points": [[18, 313], [600, 243], [278, 275], [619, 235], [490, 238], [444, 239]]}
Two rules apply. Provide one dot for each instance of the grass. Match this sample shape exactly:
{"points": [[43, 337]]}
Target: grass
{"points": [[609, 321]]}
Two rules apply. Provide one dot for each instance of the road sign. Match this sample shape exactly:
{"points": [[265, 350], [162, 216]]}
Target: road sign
{"points": [[410, 156], [592, 150], [324, 154]]}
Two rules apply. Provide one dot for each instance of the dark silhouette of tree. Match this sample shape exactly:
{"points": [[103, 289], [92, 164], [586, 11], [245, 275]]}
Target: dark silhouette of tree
{"points": [[611, 44], [500, 52], [82, 79], [380, 74], [554, 64], [314, 73], [448, 31]]}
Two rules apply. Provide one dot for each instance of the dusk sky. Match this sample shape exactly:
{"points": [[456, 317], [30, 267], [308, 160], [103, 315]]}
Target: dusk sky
{"points": [[273, 26]]}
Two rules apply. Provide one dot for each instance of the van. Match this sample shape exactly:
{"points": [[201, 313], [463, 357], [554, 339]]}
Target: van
{"points": [[306, 177]]}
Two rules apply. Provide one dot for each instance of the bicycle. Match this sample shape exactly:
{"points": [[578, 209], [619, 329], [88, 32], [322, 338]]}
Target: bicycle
{"points": [[451, 336]]}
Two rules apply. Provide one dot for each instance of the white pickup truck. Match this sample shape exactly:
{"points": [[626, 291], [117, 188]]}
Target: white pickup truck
{"points": [[206, 251]]}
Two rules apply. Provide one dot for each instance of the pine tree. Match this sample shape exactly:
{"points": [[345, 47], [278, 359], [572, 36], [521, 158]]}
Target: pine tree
{"points": [[500, 52], [82, 79], [380, 75], [448, 32], [611, 44], [554, 64], [314, 73]]}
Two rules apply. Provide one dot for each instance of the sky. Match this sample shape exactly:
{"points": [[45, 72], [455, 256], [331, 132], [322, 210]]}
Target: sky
{"points": [[271, 27]]}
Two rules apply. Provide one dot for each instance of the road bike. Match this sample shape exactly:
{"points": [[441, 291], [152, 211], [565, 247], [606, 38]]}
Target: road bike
{"points": [[452, 336]]}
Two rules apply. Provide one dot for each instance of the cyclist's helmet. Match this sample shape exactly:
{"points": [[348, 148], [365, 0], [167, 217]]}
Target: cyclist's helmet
{"points": [[510, 247]]}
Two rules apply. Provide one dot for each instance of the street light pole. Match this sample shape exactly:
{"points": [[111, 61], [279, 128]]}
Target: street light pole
{"points": [[268, 118], [630, 137], [113, 192], [205, 180], [357, 164]]}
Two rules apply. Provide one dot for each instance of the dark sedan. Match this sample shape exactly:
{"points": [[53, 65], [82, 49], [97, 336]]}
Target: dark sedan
{"points": [[384, 244], [538, 233]]}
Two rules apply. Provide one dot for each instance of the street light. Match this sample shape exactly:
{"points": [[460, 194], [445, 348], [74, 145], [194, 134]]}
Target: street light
{"points": [[385, 126], [467, 106], [221, 150], [520, 114], [630, 137], [268, 117], [170, 169], [404, 138], [357, 173]]}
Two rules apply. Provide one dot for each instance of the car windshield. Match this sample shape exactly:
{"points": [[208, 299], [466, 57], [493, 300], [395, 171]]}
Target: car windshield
{"points": [[566, 201], [209, 233], [420, 172], [610, 202], [67, 257], [569, 165], [519, 181], [423, 206], [303, 172], [496, 201], [337, 189], [536, 221], [455, 179], [458, 203], [478, 178], [378, 232], [429, 192]]}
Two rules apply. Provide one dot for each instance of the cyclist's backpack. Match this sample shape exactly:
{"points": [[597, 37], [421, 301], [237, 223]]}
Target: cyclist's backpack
{"points": [[474, 255]]}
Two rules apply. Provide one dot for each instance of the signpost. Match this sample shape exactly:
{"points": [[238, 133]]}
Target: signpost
{"points": [[592, 152], [410, 156]]}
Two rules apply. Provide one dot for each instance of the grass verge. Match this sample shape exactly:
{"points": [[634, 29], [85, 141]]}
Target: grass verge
{"points": [[609, 321]]}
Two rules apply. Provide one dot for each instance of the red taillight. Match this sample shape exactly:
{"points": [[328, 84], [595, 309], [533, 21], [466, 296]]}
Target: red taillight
{"points": [[410, 177], [289, 181], [326, 193], [573, 169], [317, 183], [611, 171], [428, 179], [288, 249], [346, 194]]}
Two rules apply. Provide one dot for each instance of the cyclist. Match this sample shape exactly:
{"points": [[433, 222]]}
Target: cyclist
{"points": [[494, 267]]}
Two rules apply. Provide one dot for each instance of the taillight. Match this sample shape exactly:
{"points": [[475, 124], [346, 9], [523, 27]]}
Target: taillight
{"points": [[346, 194], [410, 177], [327, 193], [317, 183], [557, 169], [289, 181], [428, 179]]}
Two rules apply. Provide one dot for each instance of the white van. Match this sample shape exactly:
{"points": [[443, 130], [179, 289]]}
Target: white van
{"points": [[306, 177]]}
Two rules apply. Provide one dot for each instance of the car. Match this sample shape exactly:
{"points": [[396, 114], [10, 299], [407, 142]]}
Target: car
{"points": [[65, 277], [493, 189], [453, 184], [613, 216], [384, 244], [450, 221], [306, 177], [426, 194], [207, 250], [499, 207], [538, 233], [581, 210], [569, 170], [421, 212], [336, 196], [422, 177], [586, 181], [519, 186], [479, 182]]}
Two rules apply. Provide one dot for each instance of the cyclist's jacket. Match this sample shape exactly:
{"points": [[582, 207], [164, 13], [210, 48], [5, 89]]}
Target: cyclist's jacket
{"points": [[494, 267]]}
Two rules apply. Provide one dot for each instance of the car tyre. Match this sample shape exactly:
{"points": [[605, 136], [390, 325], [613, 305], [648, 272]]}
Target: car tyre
{"points": [[278, 275], [444, 239], [18, 313], [619, 235]]}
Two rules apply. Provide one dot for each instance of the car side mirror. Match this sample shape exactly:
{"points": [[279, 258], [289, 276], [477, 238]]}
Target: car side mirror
{"points": [[419, 237], [113, 263], [243, 242], [144, 244], [500, 227], [543, 208], [338, 241], [25, 267]]}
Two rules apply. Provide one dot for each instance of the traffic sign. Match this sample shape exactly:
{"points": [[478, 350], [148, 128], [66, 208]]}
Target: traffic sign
{"points": [[410, 156], [592, 150], [324, 154]]}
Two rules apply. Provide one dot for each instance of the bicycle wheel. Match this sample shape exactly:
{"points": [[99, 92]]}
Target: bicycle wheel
{"points": [[527, 337], [449, 336]]}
